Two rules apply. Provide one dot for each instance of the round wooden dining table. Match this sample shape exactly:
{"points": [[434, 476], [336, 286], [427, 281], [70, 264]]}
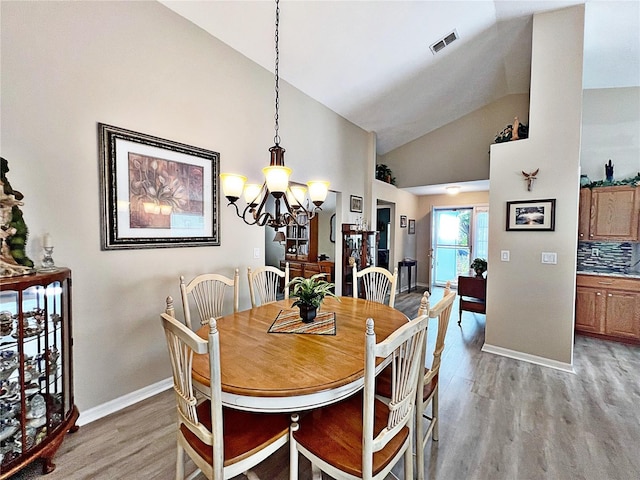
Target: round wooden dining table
{"points": [[264, 371]]}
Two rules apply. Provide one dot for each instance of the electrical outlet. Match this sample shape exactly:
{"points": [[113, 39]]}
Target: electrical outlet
{"points": [[550, 257], [595, 252], [504, 255]]}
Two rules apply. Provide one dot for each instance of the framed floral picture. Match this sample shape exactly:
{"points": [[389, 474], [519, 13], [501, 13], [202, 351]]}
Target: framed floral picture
{"points": [[403, 221], [155, 192], [412, 226]]}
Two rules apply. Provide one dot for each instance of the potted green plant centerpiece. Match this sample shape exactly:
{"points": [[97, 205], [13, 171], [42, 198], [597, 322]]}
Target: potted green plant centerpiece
{"points": [[479, 265], [309, 293]]}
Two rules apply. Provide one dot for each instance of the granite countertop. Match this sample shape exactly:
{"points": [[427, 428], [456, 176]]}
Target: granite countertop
{"points": [[633, 274]]}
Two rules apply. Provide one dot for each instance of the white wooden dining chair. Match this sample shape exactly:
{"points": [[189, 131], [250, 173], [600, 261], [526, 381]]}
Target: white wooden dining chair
{"points": [[362, 437], [264, 283], [428, 382], [222, 442], [208, 293], [377, 282]]}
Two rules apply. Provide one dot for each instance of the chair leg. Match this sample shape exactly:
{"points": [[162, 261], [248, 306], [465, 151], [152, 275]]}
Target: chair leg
{"points": [[435, 414], [419, 440], [460, 315], [293, 453], [180, 463], [408, 459]]}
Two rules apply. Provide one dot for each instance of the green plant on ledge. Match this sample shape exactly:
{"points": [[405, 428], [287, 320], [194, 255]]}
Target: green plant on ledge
{"points": [[385, 174], [479, 265]]}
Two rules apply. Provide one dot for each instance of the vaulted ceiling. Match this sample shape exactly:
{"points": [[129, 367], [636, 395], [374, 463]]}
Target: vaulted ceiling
{"points": [[371, 62]]}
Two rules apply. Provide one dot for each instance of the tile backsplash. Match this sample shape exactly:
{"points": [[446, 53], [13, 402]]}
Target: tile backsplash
{"points": [[606, 257]]}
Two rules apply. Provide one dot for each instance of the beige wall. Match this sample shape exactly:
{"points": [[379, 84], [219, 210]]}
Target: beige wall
{"points": [[67, 66], [402, 244], [530, 305], [458, 151], [611, 130]]}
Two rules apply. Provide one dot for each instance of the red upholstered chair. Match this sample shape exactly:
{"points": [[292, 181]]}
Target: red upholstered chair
{"points": [[473, 295]]}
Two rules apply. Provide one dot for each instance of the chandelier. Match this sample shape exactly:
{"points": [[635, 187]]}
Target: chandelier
{"points": [[297, 208]]}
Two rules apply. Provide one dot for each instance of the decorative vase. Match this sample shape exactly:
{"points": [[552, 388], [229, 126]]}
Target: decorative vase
{"points": [[308, 313], [584, 180], [479, 273]]}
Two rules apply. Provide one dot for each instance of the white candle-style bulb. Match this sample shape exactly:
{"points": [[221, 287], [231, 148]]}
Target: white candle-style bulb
{"points": [[46, 241]]}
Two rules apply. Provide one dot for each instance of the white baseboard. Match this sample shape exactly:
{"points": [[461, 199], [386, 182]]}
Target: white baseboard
{"points": [[526, 357], [117, 404]]}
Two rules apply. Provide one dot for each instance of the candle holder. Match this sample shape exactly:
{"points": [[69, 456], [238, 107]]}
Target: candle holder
{"points": [[47, 260]]}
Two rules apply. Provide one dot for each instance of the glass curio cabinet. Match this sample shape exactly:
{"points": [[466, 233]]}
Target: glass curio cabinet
{"points": [[36, 370], [358, 247]]}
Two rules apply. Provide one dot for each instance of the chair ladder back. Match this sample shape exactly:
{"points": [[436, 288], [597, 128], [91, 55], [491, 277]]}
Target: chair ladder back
{"points": [[441, 311], [377, 282], [208, 292], [182, 343], [265, 282], [405, 347]]}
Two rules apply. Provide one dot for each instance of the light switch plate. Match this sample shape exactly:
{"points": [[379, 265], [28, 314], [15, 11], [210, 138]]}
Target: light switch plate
{"points": [[504, 255], [550, 257], [256, 252]]}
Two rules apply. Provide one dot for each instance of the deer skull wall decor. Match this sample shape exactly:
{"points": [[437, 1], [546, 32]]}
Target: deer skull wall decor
{"points": [[529, 178]]}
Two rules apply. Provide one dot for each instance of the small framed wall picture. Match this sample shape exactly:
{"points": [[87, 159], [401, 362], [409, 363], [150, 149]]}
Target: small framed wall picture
{"points": [[356, 204], [412, 226], [531, 215], [403, 221]]}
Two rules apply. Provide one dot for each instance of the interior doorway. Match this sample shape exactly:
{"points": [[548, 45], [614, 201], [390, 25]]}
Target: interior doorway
{"points": [[459, 235], [385, 226]]}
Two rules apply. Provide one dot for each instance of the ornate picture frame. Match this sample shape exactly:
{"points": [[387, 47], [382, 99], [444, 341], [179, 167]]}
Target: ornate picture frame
{"points": [[156, 193], [531, 215]]}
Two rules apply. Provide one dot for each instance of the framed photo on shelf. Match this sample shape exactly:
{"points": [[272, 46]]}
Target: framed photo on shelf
{"points": [[403, 221], [412, 227], [531, 215], [156, 193], [356, 204]]}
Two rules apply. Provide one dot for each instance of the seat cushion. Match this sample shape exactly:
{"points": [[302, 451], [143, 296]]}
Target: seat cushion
{"points": [[244, 432], [383, 384], [334, 434]]}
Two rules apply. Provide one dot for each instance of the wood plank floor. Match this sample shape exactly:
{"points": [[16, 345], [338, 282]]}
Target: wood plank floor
{"points": [[501, 419]]}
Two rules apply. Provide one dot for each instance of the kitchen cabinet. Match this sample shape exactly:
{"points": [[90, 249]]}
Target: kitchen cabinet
{"points": [[614, 213], [608, 307], [36, 370], [584, 217]]}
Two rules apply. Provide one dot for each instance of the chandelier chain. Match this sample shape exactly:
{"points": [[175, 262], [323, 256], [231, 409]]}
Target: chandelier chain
{"points": [[276, 138]]}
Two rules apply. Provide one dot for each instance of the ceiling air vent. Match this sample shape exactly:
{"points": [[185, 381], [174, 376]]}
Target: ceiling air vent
{"points": [[443, 42]]}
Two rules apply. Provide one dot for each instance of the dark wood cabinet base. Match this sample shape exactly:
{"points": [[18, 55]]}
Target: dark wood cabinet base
{"points": [[45, 450]]}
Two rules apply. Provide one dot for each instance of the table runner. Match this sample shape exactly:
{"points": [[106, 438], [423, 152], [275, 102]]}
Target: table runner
{"points": [[289, 321]]}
